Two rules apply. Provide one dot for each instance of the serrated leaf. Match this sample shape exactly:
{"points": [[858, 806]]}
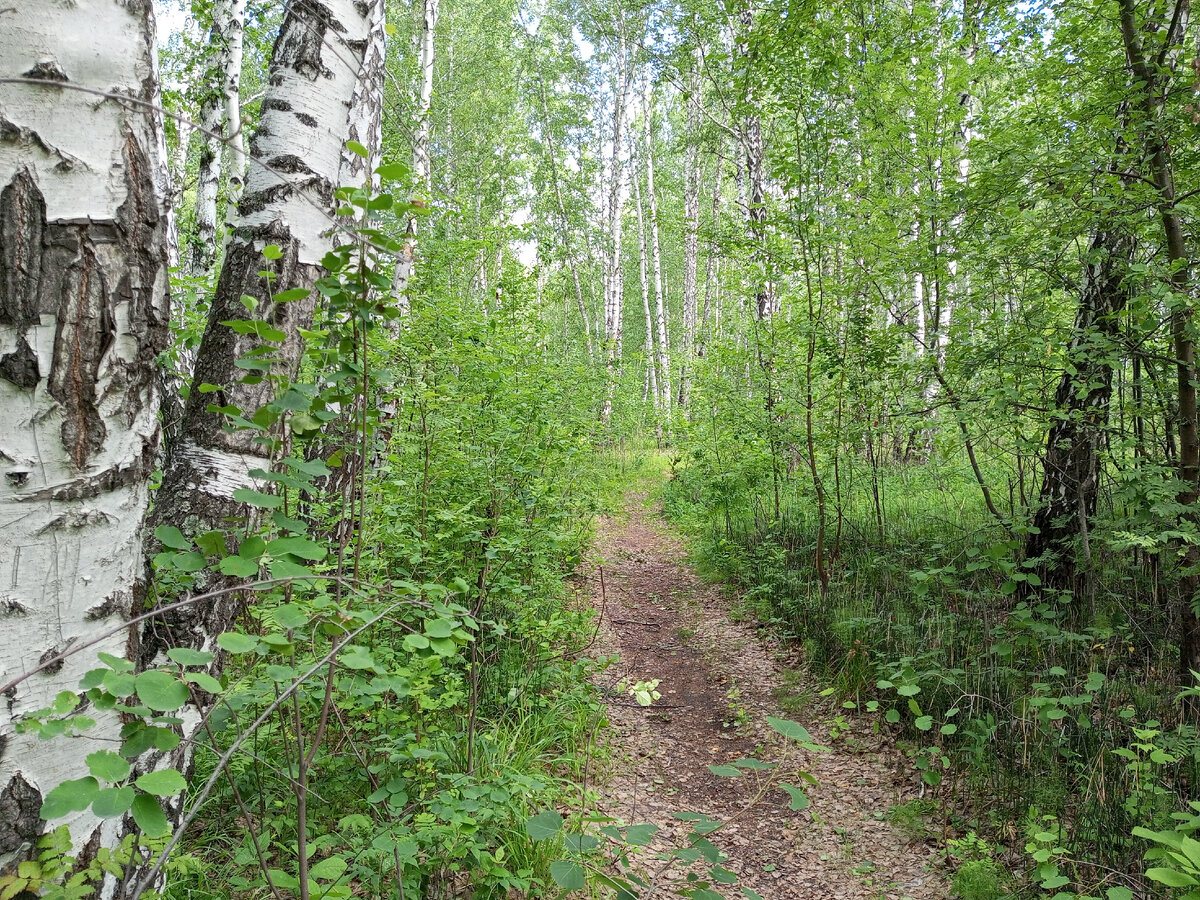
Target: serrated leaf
{"points": [[291, 295], [257, 498], [272, 251], [544, 825], [568, 875], [580, 843]]}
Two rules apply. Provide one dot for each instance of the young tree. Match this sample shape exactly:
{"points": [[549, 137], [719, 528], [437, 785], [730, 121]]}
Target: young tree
{"points": [[83, 317]]}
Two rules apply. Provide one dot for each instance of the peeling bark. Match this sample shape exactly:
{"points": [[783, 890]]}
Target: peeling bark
{"points": [[83, 316]]}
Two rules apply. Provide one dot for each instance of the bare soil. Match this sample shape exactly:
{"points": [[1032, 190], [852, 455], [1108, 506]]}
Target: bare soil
{"points": [[719, 681]]}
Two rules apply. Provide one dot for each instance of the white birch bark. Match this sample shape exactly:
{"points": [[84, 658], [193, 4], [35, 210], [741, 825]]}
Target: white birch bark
{"points": [[422, 169], [297, 158], [643, 272], [691, 228], [660, 305], [83, 314], [613, 288], [235, 150]]}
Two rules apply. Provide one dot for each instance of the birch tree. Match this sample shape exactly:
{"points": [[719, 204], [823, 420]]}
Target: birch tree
{"points": [[613, 299], [691, 227], [83, 316], [220, 127], [660, 306], [297, 158], [422, 169]]}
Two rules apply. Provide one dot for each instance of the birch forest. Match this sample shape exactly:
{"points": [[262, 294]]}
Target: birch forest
{"points": [[539, 448]]}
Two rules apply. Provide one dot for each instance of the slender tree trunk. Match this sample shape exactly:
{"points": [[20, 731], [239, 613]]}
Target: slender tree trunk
{"points": [[83, 316], [613, 299], [1071, 466], [422, 168], [1152, 78], [568, 243], [235, 152], [651, 364], [660, 303], [691, 230]]}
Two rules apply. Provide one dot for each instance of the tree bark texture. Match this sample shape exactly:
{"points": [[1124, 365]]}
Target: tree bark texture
{"points": [[297, 155], [1071, 465], [83, 316], [691, 230]]}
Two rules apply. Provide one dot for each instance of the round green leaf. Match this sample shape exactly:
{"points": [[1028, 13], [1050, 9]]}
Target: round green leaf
{"points": [[108, 766], [68, 797], [235, 642], [114, 801], [161, 691], [186, 656]]}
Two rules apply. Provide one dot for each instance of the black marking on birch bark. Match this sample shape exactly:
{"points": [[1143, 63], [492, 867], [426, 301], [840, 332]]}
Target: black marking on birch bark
{"points": [[306, 119], [54, 668], [85, 488], [20, 808], [289, 163], [276, 103], [257, 201], [47, 70], [10, 607], [115, 604], [21, 366], [12, 133], [78, 340], [301, 40], [22, 226]]}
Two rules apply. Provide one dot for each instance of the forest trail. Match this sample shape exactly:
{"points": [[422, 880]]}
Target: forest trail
{"points": [[719, 681]]}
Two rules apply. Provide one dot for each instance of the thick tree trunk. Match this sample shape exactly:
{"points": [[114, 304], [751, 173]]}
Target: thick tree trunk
{"points": [[316, 64], [1152, 78], [752, 145], [83, 317]]}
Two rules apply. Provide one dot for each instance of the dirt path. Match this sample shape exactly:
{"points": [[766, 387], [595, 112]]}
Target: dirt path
{"points": [[719, 681]]}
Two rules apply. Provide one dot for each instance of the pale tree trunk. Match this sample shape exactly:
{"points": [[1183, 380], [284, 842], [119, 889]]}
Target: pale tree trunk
{"points": [[297, 158], [756, 209], [613, 289], [422, 169], [660, 303], [568, 243], [710, 317], [222, 80], [83, 316], [231, 84], [691, 229], [643, 272]]}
